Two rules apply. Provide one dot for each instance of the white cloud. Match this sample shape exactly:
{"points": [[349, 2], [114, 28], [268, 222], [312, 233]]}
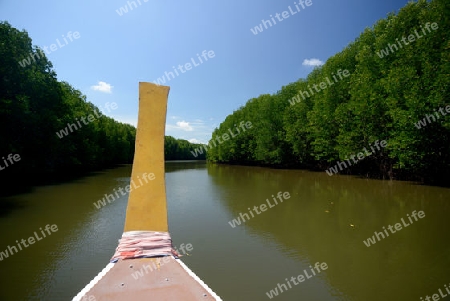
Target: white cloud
{"points": [[183, 125], [193, 140], [102, 87], [193, 130], [180, 125], [312, 62]]}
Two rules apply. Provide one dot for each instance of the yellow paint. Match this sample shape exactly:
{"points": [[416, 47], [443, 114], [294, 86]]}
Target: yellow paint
{"points": [[147, 208]]}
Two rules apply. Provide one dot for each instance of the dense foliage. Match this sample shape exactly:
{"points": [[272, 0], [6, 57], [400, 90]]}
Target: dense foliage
{"points": [[383, 97], [179, 149], [35, 106]]}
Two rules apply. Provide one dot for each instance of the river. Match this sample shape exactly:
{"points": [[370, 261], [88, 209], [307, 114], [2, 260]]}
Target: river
{"points": [[325, 220]]}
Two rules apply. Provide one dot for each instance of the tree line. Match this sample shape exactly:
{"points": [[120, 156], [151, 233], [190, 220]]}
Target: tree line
{"points": [[383, 86], [35, 107], [180, 149]]}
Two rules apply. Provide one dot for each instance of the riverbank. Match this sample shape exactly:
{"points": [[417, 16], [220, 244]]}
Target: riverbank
{"points": [[439, 180], [376, 99]]}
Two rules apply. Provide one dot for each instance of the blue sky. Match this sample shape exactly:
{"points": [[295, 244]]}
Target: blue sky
{"points": [[115, 52]]}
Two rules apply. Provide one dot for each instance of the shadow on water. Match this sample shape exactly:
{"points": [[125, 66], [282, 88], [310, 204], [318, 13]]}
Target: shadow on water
{"points": [[59, 265], [15, 184], [8, 205], [172, 166]]}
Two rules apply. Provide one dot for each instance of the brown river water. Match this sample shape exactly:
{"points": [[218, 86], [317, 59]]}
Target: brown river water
{"points": [[312, 245]]}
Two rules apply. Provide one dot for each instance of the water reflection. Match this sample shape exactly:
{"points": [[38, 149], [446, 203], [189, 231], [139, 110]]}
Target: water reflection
{"points": [[326, 219]]}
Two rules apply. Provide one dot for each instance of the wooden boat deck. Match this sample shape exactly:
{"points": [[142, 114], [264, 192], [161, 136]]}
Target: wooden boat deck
{"points": [[170, 280]]}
